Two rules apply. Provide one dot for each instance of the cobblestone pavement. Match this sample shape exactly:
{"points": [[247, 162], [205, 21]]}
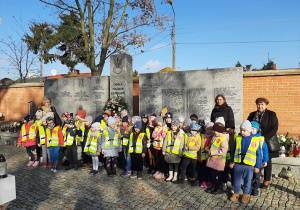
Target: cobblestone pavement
{"points": [[38, 188]]}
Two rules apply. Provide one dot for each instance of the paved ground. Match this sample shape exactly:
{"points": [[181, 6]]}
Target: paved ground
{"points": [[38, 188]]}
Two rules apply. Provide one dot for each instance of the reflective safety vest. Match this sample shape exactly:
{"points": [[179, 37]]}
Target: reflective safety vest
{"points": [[125, 140], [148, 133], [116, 138], [38, 122], [176, 145], [102, 124], [31, 134], [42, 134], [64, 130], [52, 140], [250, 157], [92, 145], [138, 145], [82, 128], [191, 153], [161, 140], [216, 146], [69, 139], [203, 155]]}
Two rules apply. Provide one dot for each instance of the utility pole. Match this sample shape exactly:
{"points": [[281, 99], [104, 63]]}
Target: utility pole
{"points": [[173, 37]]}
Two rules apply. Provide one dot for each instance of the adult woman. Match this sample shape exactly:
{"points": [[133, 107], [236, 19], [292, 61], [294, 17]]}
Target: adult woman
{"points": [[268, 126], [222, 109], [46, 107]]}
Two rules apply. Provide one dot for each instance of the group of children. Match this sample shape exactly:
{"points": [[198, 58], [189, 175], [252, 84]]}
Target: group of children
{"points": [[172, 149]]}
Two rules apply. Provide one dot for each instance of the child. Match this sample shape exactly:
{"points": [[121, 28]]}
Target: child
{"points": [[93, 146], [86, 159], [265, 157], [71, 144], [137, 150], [168, 119], [27, 138], [42, 143], [38, 122], [203, 170], [159, 134], [192, 146], [194, 118], [145, 129], [172, 150], [111, 146], [62, 150], [181, 120], [245, 157], [55, 139], [186, 125], [216, 162], [125, 135], [80, 127], [150, 149]]}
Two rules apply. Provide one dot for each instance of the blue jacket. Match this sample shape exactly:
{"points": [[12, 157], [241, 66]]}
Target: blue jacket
{"points": [[265, 150], [245, 145]]}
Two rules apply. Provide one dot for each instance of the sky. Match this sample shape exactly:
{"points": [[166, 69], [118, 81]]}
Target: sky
{"points": [[209, 34]]}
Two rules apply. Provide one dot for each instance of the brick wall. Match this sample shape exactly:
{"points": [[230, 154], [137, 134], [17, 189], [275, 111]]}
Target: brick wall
{"points": [[14, 100], [136, 93]]}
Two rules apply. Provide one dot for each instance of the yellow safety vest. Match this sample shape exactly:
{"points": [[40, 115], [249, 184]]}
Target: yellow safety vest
{"points": [[42, 134], [138, 145], [31, 134], [203, 155], [92, 145], [116, 138], [38, 122], [69, 139], [148, 133], [103, 124], [191, 153], [52, 140], [82, 128], [161, 140], [216, 146], [250, 157], [64, 129], [125, 140], [176, 145]]}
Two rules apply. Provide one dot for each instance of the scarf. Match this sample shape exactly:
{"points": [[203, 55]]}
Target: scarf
{"points": [[258, 118]]}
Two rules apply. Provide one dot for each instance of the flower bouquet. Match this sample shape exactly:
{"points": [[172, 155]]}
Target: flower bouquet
{"points": [[115, 106]]}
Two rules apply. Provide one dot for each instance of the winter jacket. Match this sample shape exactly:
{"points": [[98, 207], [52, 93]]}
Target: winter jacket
{"points": [[159, 135], [111, 150], [197, 145], [85, 134], [217, 163], [88, 142], [265, 151], [71, 132], [28, 142], [60, 135], [223, 111], [134, 140], [171, 157]]}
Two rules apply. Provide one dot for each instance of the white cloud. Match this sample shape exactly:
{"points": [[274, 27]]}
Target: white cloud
{"points": [[151, 65]]}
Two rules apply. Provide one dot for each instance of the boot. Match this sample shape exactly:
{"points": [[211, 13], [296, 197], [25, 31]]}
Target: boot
{"points": [[79, 163], [193, 182], [210, 189], [179, 181], [216, 190], [70, 167], [109, 172], [234, 197], [170, 176], [114, 172], [174, 177], [245, 198]]}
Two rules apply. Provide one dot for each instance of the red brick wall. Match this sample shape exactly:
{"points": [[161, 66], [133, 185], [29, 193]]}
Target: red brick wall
{"points": [[283, 92], [136, 93], [14, 101]]}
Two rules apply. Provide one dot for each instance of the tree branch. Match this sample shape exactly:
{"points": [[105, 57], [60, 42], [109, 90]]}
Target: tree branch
{"points": [[59, 7]]}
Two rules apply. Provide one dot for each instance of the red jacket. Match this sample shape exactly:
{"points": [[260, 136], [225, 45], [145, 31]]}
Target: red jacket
{"points": [[28, 142]]}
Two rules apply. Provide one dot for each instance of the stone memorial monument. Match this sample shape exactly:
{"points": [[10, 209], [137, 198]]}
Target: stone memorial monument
{"points": [[73, 94], [188, 92], [121, 78]]}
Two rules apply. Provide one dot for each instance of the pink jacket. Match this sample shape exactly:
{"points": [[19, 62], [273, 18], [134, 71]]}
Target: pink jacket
{"points": [[217, 163], [159, 135]]}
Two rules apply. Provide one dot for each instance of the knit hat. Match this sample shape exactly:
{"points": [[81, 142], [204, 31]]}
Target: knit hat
{"points": [[169, 115], [44, 118], [28, 118], [154, 115], [136, 118], [164, 110], [125, 119], [96, 125], [124, 111], [117, 118], [39, 113], [201, 123], [209, 125], [88, 119], [111, 120], [145, 116], [194, 117], [246, 125], [50, 114], [255, 125], [138, 125], [187, 122], [107, 112], [70, 121], [181, 119], [175, 122], [206, 120], [218, 128], [67, 114], [194, 126], [81, 114], [159, 119], [220, 120]]}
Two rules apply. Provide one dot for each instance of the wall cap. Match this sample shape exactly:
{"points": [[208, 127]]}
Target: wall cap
{"points": [[264, 73], [22, 85]]}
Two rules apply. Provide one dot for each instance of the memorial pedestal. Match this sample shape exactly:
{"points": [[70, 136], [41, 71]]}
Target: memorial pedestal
{"points": [[7, 189]]}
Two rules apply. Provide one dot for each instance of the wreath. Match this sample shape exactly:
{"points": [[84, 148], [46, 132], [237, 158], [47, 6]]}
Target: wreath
{"points": [[115, 106]]}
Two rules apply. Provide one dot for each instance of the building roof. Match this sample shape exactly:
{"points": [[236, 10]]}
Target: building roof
{"points": [[167, 69]]}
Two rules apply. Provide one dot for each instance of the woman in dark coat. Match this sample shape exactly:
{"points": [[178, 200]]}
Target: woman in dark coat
{"points": [[222, 109], [268, 126]]}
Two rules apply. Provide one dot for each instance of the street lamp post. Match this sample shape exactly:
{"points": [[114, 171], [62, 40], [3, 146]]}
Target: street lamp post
{"points": [[173, 37]]}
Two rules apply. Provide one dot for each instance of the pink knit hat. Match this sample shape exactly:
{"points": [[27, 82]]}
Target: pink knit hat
{"points": [[209, 125]]}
